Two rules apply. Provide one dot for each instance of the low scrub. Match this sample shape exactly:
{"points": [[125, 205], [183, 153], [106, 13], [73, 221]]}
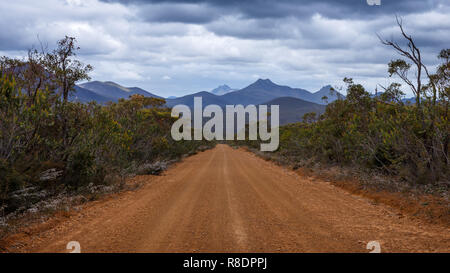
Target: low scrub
{"points": [[382, 133], [48, 146]]}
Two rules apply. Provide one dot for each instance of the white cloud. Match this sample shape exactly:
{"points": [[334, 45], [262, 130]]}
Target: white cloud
{"points": [[124, 45]]}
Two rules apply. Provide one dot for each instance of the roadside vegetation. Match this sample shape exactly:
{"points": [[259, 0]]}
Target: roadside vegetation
{"points": [[381, 135], [51, 148]]}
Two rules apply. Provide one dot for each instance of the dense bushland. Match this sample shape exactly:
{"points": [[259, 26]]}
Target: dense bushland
{"points": [[50, 145], [376, 133], [383, 132]]}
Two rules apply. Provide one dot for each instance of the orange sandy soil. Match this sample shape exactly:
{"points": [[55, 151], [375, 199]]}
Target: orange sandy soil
{"points": [[227, 200]]}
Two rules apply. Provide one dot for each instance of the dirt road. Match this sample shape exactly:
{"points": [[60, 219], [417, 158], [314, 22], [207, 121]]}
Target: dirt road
{"points": [[227, 200]]}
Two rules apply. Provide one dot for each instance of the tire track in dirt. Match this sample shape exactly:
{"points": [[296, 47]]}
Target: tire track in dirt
{"points": [[228, 200]]}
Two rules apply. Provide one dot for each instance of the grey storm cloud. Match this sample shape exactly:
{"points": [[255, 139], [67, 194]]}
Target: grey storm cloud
{"points": [[280, 19], [258, 9], [182, 46], [179, 13]]}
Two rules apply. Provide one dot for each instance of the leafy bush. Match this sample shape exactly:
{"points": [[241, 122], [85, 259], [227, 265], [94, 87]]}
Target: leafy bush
{"points": [[373, 133], [48, 143]]}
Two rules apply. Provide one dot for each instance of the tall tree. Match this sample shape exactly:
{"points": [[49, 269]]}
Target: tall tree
{"points": [[66, 70]]}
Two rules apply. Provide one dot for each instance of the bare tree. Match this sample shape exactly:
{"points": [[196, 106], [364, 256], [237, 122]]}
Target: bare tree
{"points": [[401, 68]]}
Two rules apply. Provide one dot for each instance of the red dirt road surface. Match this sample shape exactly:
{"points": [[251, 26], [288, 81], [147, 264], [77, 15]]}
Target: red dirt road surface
{"points": [[228, 200]]}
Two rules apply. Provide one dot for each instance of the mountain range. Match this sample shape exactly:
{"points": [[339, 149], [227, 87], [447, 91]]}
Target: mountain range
{"points": [[258, 92], [103, 92], [294, 102], [265, 90]]}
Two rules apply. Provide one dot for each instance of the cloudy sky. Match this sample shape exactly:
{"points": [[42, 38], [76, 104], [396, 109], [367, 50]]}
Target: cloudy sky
{"points": [[180, 47]]}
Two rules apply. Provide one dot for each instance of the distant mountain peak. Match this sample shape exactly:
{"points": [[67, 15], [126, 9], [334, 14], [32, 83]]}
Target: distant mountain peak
{"points": [[113, 84], [222, 90], [329, 92], [325, 89], [264, 80], [263, 83], [223, 87]]}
